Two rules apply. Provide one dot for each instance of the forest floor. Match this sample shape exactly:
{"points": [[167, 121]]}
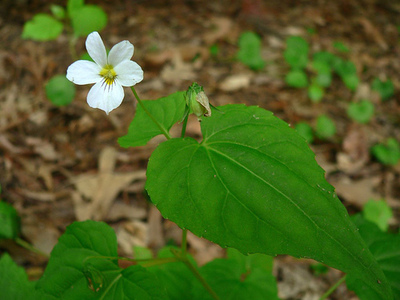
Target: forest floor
{"points": [[55, 159]]}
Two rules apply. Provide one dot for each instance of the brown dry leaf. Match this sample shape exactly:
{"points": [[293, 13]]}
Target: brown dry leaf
{"points": [[156, 235], [132, 233], [120, 210], [178, 71], [44, 148], [236, 82], [373, 32], [298, 282], [220, 28], [204, 250], [355, 153], [356, 192], [102, 188]]}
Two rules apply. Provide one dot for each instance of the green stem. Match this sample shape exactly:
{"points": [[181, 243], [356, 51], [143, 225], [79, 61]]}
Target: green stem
{"points": [[183, 258], [29, 247], [144, 262], [184, 126], [184, 241], [333, 288], [165, 132], [201, 279]]}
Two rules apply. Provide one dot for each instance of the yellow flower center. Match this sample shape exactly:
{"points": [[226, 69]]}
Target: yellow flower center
{"points": [[108, 74]]}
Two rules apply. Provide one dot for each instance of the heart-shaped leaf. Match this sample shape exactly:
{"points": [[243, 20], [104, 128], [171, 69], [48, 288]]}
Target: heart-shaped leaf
{"points": [[84, 265], [167, 110], [253, 184], [361, 112]]}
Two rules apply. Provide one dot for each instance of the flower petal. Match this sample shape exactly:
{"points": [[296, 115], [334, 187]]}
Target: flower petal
{"points": [[105, 97], [128, 73], [120, 52], [83, 72], [95, 48]]}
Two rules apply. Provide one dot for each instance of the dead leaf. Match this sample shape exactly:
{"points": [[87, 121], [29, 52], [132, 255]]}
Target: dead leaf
{"points": [[178, 71], [235, 82], [356, 192], [220, 27], [373, 32], [102, 188]]}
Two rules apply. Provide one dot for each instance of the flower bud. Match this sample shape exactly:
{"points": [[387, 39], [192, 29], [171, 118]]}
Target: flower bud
{"points": [[197, 101]]}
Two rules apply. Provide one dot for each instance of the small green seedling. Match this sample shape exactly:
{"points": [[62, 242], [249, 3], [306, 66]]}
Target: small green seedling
{"points": [[296, 78], [214, 50], [384, 88], [341, 47], [9, 221], [325, 127], [378, 212], [305, 131], [315, 92], [296, 53], [250, 51], [323, 73], [388, 154], [60, 91], [361, 112], [347, 71], [84, 19]]}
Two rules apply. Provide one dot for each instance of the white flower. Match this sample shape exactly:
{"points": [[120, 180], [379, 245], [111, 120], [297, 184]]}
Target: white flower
{"points": [[109, 74]]}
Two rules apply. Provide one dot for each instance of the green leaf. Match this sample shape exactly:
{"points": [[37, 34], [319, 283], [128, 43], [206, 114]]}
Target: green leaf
{"points": [[386, 249], [378, 212], [60, 91], [324, 73], [81, 266], [57, 11], [9, 221], [319, 269], [167, 110], [42, 28], [296, 78], [251, 261], [325, 127], [73, 6], [253, 184], [14, 282], [324, 57], [175, 277], [361, 112], [87, 19], [315, 93], [214, 50], [351, 81], [226, 278], [341, 47], [250, 51], [388, 154], [347, 71], [305, 131], [384, 88], [142, 252], [296, 53]]}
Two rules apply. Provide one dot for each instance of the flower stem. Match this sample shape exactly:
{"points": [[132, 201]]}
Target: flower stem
{"points": [[184, 126], [184, 241], [163, 130], [29, 247], [181, 256], [200, 278], [333, 288]]}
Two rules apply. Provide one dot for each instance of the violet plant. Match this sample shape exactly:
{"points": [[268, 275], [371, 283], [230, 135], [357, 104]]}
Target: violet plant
{"points": [[251, 184]]}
